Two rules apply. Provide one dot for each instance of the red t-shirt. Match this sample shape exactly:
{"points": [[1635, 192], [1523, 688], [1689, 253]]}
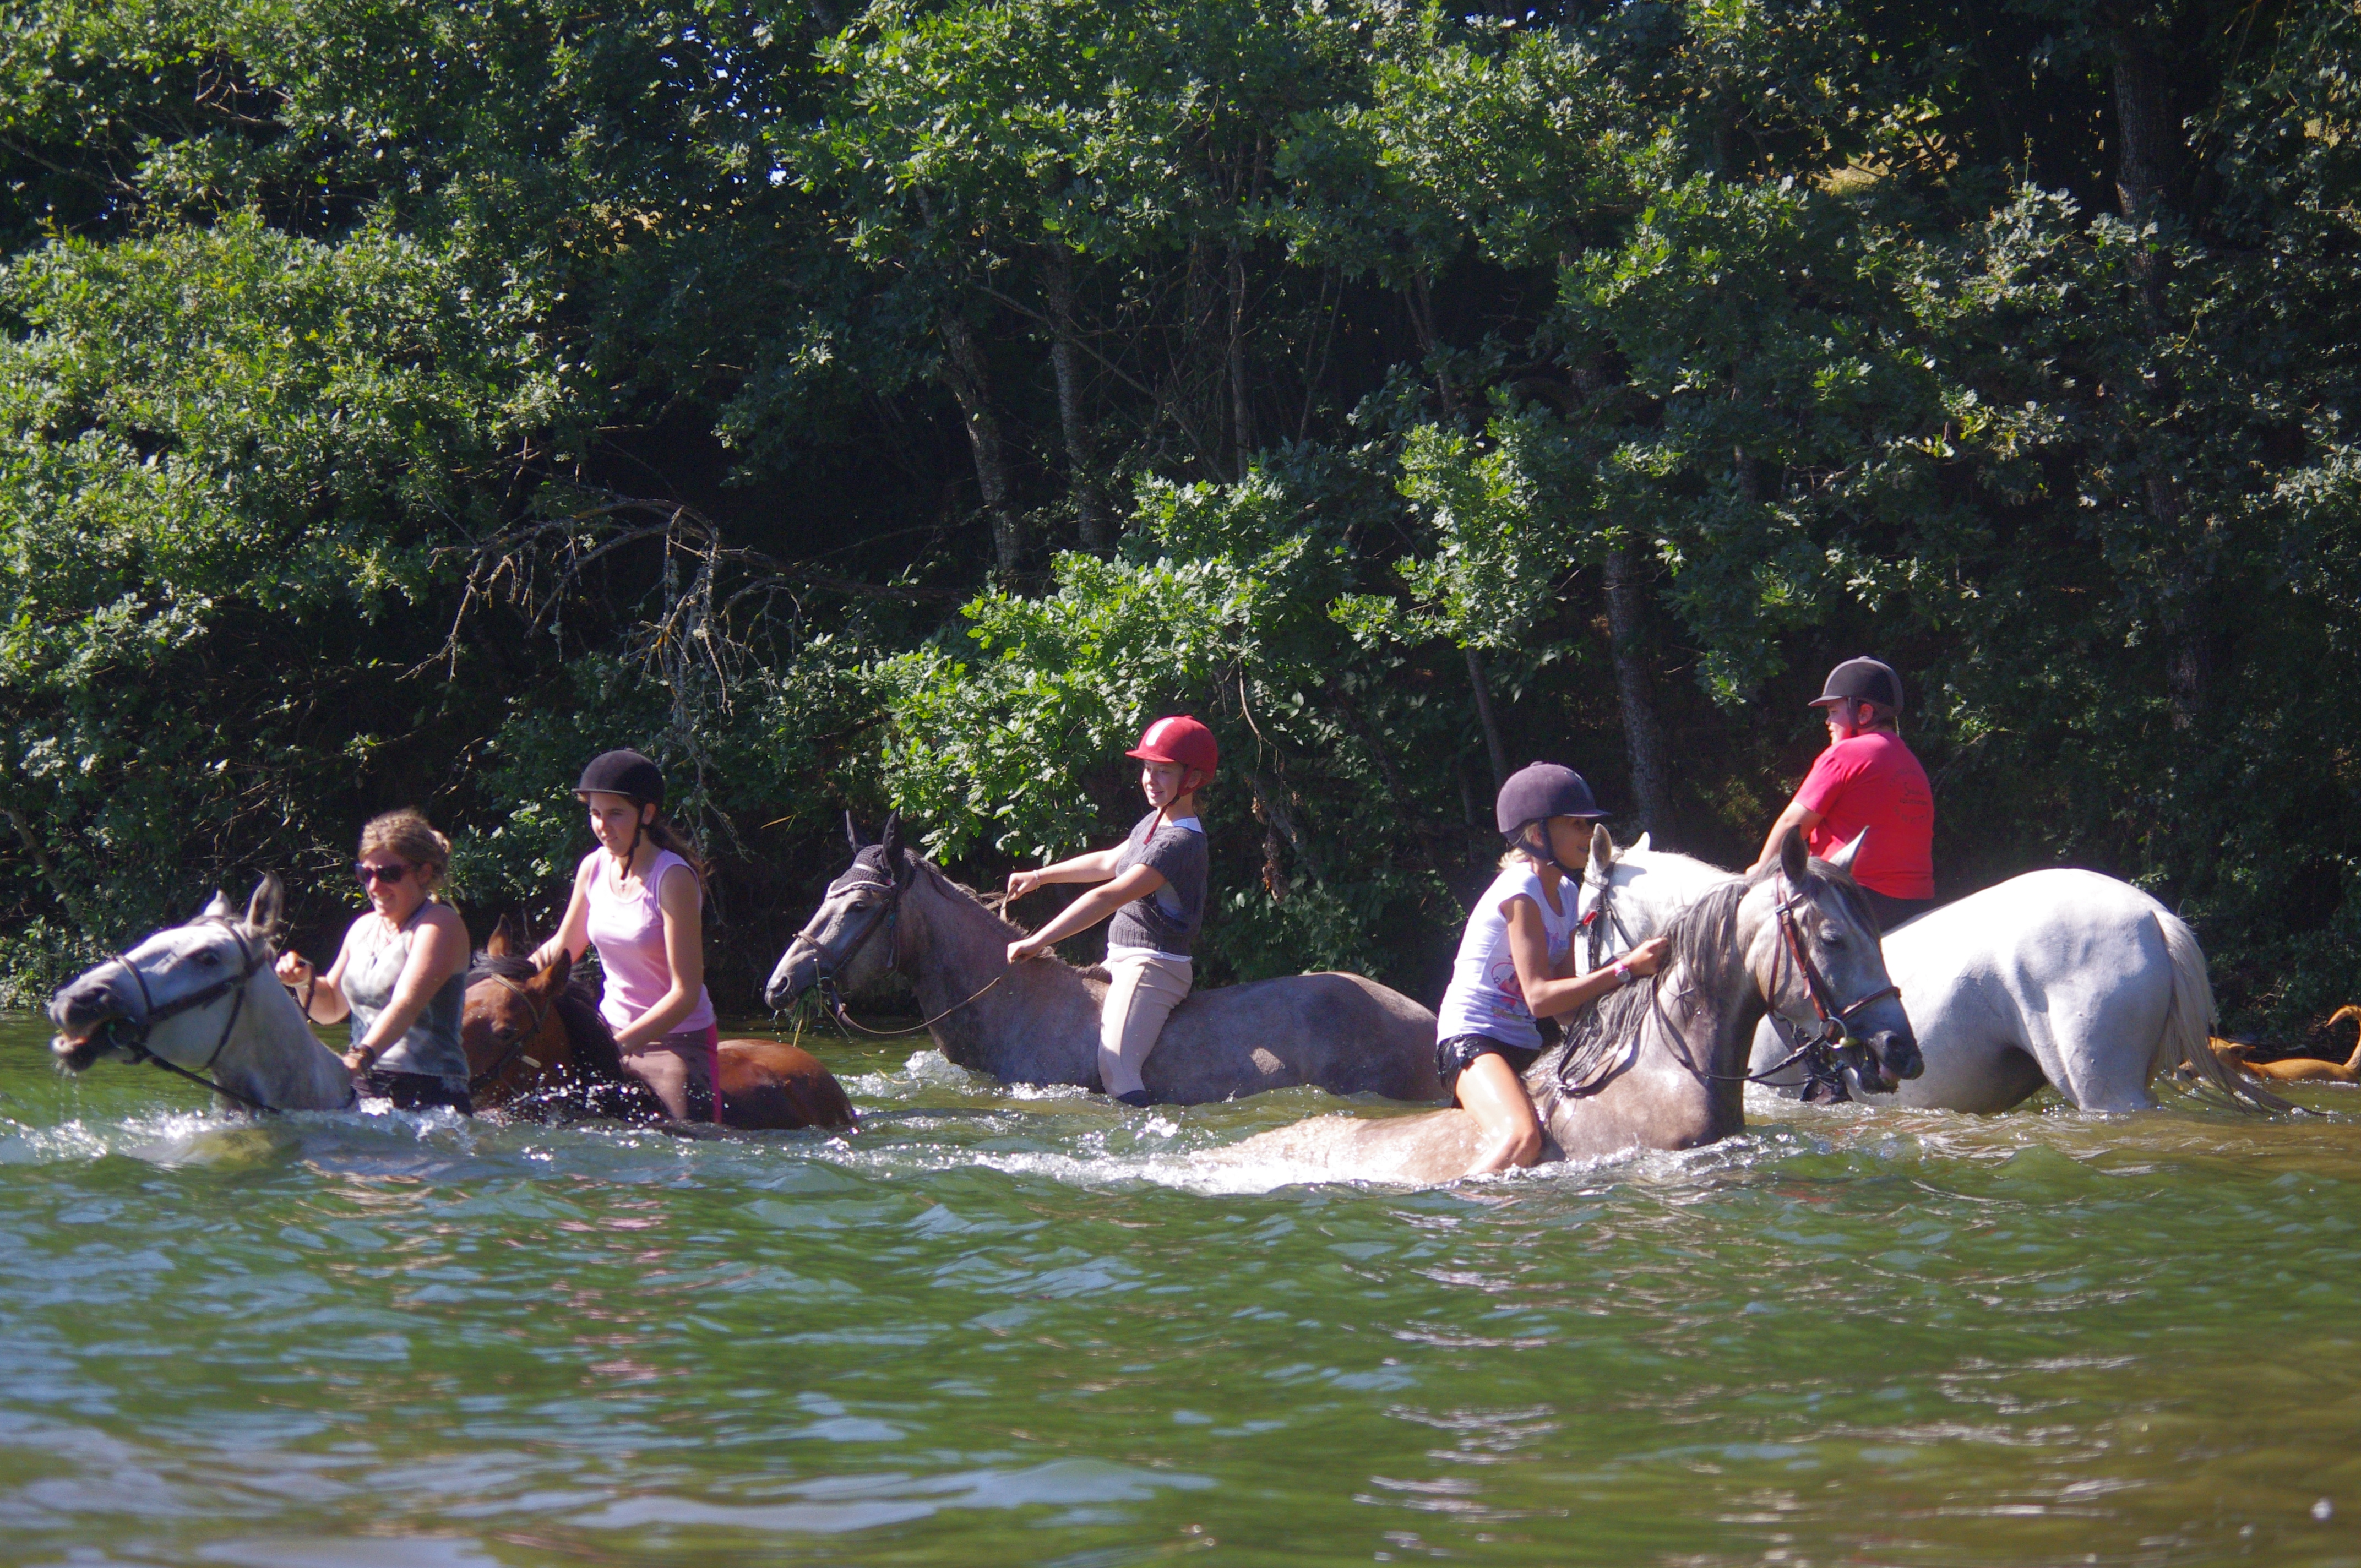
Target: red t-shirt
{"points": [[1871, 781]]}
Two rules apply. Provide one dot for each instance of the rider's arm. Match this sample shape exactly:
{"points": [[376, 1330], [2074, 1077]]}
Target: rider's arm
{"points": [[1089, 910], [681, 900], [1547, 995], [1096, 866], [574, 931], [321, 995], [1797, 815], [439, 952]]}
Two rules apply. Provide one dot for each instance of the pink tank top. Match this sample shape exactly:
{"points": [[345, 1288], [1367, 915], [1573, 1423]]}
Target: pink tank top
{"points": [[629, 934]]}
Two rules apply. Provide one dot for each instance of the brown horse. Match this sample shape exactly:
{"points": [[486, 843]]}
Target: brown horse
{"points": [[2237, 1055], [537, 1047]]}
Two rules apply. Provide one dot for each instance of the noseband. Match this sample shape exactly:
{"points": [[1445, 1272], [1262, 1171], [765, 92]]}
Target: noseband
{"points": [[135, 1044]]}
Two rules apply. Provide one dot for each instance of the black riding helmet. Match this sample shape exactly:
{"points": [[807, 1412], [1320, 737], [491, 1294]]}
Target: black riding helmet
{"points": [[1861, 680], [626, 773], [1540, 791]]}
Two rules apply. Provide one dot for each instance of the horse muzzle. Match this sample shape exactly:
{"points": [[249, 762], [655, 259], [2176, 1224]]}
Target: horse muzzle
{"points": [[85, 1015], [1892, 1055], [798, 970]]}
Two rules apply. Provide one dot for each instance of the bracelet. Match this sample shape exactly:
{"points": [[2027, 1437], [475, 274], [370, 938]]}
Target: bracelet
{"points": [[1622, 974]]}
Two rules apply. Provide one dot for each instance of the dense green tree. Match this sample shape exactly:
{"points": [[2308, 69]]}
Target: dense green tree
{"points": [[901, 405]]}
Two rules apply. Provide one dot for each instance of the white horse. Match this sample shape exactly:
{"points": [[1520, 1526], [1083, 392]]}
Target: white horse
{"points": [[200, 999], [2061, 977]]}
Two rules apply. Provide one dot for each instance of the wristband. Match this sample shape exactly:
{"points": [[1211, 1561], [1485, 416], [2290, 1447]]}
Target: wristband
{"points": [[1622, 974]]}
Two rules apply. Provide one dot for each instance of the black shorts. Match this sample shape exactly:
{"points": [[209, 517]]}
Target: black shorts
{"points": [[1457, 1053], [1891, 911], [414, 1090]]}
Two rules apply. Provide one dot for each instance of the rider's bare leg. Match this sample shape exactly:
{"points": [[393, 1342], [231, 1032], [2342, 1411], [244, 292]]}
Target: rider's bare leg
{"points": [[1492, 1092]]}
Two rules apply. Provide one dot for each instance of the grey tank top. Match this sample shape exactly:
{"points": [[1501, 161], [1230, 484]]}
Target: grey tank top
{"points": [[432, 1045]]}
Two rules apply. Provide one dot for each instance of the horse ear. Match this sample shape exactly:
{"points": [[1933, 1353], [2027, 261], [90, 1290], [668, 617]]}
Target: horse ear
{"points": [[1792, 857], [502, 941], [220, 906], [1646, 840], [1602, 848], [1842, 859], [270, 900], [852, 834], [890, 839], [550, 981]]}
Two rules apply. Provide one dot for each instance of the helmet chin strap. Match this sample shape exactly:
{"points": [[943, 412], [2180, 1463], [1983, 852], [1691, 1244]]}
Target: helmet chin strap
{"points": [[1548, 852]]}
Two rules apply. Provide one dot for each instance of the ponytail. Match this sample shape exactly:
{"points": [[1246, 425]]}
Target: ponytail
{"points": [[664, 835]]}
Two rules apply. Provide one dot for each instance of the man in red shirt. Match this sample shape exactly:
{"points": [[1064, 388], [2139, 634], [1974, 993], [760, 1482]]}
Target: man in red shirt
{"points": [[1867, 778]]}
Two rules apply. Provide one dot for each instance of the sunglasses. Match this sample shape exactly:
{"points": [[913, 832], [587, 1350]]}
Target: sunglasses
{"points": [[388, 874]]}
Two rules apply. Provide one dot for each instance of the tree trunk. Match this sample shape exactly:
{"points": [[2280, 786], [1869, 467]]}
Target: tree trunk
{"points": [[972, 385], [2148, 153], [1066, 363], [1242, 431], [1643, 738], [2148, 156], [1484, 715]]}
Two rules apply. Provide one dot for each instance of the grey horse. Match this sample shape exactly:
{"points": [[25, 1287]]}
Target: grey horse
{"points": [[1039, 1022], [1662, 1064], [201, 999]]}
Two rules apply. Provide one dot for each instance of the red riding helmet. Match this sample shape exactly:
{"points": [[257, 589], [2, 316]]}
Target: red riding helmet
{"points": [[1182, 740]]}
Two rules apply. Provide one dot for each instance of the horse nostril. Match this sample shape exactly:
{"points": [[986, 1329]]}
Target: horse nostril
{"points": [[1899, 1051]]}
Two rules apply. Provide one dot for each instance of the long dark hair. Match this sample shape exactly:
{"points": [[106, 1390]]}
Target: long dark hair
{"points": [[666, 835]]}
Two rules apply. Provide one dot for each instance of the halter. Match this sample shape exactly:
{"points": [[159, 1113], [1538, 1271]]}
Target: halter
{"points": [[136, 1044], [539, 1013], [890, 919]]}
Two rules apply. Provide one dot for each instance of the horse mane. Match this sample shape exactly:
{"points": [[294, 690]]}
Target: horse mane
{"points": [[577, 1008], [1704, 938], [872, 860]]}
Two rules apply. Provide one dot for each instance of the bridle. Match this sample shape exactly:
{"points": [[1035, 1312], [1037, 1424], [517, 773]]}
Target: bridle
{"points": [[136, 1044], [889, 919], [539, 1011], [1836, 1021], [1816, 1050]]}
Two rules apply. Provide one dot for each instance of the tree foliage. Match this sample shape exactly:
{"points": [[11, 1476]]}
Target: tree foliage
{"points": [[900, 406]]}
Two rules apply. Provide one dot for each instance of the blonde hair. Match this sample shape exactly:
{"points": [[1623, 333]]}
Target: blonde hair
{"points": [[407, 833]]}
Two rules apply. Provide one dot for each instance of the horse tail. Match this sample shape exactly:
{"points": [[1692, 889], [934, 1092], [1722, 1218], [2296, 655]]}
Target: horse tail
{"points": [[2190, 1025]]}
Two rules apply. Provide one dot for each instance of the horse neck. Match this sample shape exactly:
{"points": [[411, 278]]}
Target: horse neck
{"points": [[1694, 1025], [272, 1055], [952, 948]]}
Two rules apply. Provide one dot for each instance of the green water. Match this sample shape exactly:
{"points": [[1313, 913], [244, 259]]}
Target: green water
{"points": [[999, 1327]]}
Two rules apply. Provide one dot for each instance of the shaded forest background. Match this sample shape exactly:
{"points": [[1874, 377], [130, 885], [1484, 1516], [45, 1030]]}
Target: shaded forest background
{"points": [[399, 403]]}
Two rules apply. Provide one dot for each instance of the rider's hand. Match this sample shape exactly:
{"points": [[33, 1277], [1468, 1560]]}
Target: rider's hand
{"points": [[1020, 883], [1028, 947], [292, 969], [1649, 956], [360, 1058]]}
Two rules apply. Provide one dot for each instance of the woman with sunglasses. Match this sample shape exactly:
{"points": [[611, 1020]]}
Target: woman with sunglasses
{"points": [[401, 975]]}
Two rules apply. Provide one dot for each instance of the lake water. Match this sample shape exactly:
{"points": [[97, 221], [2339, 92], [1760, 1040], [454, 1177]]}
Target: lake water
{"points": [[1010, 1327]]}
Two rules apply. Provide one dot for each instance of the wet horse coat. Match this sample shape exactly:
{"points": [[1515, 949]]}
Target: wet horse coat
{"points": [[537, 1046], [1662, 1064], [1039, 1022]]}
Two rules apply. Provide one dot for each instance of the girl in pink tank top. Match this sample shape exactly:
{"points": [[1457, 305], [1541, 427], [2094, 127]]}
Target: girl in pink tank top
{"points": [[639, 900]]}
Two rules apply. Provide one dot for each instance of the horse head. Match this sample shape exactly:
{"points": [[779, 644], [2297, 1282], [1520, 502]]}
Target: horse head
{"points": [[1820, 967], [852, 939], [173, 996], [510, 1027]]}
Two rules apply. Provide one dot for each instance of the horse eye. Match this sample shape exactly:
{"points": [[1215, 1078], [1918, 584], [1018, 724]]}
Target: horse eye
{"points": [[209, 957], [1833, 937]]}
